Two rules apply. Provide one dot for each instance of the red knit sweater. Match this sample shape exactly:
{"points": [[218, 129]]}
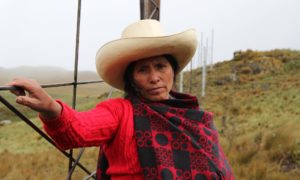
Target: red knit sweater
{"points": [[109, 124]]}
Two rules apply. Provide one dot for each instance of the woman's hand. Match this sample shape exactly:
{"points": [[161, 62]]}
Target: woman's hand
{"points": [[37, 98]]}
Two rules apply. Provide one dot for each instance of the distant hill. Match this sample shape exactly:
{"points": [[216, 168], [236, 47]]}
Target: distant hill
{"points": [[45, 74]]}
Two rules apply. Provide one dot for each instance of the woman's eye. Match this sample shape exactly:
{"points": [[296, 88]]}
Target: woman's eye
{"points": [[160, 66], [141, 70]]}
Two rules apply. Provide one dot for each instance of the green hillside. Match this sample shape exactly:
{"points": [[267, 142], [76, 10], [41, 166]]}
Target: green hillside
{"points": [[255, 98]]}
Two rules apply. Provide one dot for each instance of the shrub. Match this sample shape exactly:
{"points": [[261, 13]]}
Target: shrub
{"points": [[292, 65]]}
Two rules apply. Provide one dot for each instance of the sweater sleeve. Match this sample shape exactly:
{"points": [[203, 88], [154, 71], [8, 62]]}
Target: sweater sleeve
{"points": [[74, 129]]}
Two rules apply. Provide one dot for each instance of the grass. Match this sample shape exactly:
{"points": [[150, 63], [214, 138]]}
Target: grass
{"points": [[257, 114]]}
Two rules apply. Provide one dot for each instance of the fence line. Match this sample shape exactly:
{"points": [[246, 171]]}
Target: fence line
{"points": [[202, 54]]}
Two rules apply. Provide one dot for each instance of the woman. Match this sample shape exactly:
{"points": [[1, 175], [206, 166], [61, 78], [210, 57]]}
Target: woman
{"points": [[152, 133]]}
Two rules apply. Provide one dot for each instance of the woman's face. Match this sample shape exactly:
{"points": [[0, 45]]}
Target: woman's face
{"points": [[153, 77]]}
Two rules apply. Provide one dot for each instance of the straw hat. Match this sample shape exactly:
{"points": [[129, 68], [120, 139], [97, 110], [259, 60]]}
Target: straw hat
{"points": [[140, 40]]}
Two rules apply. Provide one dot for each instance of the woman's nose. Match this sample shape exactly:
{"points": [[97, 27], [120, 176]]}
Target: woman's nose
{"points": [[154, 76]]}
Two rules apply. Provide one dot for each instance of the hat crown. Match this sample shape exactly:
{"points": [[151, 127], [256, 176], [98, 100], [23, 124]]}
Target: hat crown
{"points": [[143, 28]]}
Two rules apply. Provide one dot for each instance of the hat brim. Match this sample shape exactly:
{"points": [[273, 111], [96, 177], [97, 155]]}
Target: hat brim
{"points": [[113, 58]]}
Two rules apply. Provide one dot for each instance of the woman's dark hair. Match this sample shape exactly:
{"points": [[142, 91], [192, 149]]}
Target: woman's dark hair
{"points": [[129, 86]]}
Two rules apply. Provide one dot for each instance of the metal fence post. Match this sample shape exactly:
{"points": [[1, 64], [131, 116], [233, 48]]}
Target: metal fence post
{"points": [[150, 9]]}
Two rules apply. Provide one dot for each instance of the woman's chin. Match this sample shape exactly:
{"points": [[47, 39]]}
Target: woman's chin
{"points": [[157, 97]]}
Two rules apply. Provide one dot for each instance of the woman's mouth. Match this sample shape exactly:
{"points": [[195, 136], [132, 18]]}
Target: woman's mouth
{"points": [[155, 91]]}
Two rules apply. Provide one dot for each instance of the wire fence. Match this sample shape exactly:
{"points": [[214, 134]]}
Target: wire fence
{"points": [[72, 162]]}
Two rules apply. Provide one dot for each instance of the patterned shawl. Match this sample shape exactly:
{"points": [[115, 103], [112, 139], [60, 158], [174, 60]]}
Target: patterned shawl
{"points": [[176, 140]]}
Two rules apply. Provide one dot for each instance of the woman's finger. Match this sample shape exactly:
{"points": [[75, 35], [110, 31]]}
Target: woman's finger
{"points": [[26, 84], [28, 101], [18, 91]]}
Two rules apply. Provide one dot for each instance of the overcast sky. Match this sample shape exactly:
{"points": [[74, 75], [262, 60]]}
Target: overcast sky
{"points": [[42, 32]]}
